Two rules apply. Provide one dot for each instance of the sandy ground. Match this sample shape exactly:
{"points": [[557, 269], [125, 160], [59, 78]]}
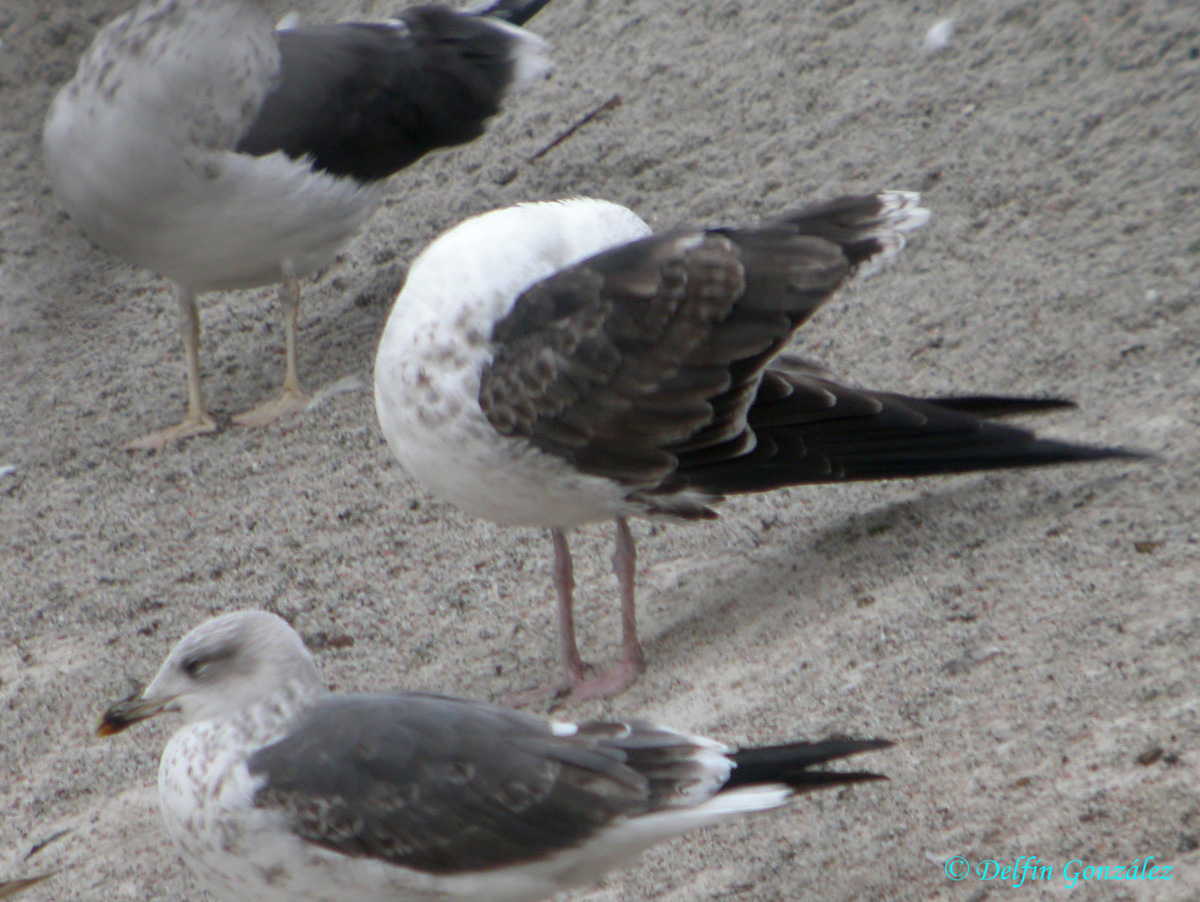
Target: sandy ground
{"points": [[1031, 640]]}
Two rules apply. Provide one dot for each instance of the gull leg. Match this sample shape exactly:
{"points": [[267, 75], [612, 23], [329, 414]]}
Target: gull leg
{"points": [[572, 663], [625, 564], [292, 398], [620, 676], [198, 420], [564, 586]]}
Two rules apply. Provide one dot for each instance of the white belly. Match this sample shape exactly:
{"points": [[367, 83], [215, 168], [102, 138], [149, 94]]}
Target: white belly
{"points": [[209, 219], [435, 428], [437, 343]]}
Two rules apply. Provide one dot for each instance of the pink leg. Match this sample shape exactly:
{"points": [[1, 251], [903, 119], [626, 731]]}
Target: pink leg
{"points": [[572, 663], [564, 587], [621, 675], [625, 565], [574, 686]]}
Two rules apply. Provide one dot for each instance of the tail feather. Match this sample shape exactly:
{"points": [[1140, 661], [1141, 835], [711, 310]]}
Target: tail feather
{"points": [[792, 764]]}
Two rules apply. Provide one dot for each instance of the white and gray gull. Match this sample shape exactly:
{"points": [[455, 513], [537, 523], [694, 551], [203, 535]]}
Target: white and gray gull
{"points": [[198, 141], [555, 364], [276, 790]]}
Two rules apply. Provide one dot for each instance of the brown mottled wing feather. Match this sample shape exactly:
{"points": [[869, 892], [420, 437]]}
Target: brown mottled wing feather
{"points": [[656, 348]]}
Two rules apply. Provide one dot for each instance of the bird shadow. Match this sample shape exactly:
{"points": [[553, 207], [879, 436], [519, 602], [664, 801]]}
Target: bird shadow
{"points": [[845, 560]]}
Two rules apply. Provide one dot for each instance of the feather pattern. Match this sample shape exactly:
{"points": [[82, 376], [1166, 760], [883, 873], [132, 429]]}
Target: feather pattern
{"points": [[657, 348], [445, 785]]}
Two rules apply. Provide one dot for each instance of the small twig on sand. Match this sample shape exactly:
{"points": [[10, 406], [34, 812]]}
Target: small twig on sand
{"points": [[42, 843], [611, 104]]}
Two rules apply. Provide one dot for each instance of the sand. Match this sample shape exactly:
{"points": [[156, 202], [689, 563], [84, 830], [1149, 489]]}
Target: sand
{"points": [[1031, 640]]}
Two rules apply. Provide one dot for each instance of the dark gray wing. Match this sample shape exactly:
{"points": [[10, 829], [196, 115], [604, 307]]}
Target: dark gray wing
{"points": [[656, 348], [810, 429], [445, 785], [366, 100]]}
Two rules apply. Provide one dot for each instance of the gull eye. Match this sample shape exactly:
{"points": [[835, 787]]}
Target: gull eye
{"points": [[198, 663], [195, 667]]}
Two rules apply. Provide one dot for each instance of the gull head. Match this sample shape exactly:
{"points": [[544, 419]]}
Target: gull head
{"points": [[220, 668]]}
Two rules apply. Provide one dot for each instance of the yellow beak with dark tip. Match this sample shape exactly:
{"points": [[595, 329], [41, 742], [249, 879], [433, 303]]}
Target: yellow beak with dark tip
{"points": [[12, 887], [126, 713]]}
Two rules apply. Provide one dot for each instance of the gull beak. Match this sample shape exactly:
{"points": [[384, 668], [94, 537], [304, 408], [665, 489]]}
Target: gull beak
{"points": [[129, 711], [12, 887]]}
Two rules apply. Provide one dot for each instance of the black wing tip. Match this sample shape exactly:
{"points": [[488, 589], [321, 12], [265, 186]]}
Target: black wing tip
{"points": [[991, 406], [828, 779], [844, 748], [514, 12], [791, 764], [1036, 454], [870, 229], [836, 747], [1049, 451]]}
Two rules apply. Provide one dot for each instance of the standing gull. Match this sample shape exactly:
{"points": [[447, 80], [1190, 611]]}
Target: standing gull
{"points": [[277, 790], [201, 143], [554, 364]]}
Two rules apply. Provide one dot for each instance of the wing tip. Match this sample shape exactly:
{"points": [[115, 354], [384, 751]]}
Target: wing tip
{"points": [[515, 12], [791, 764], [900, 212]]}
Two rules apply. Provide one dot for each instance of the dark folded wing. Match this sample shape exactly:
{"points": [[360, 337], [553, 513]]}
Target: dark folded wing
{"points": [[656, 348], [444, 785], [810, 429], [366, 100]]}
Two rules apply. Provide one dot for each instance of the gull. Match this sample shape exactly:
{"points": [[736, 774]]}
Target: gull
{"points": [[556, 364], [277, 790], [199, 142]]}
